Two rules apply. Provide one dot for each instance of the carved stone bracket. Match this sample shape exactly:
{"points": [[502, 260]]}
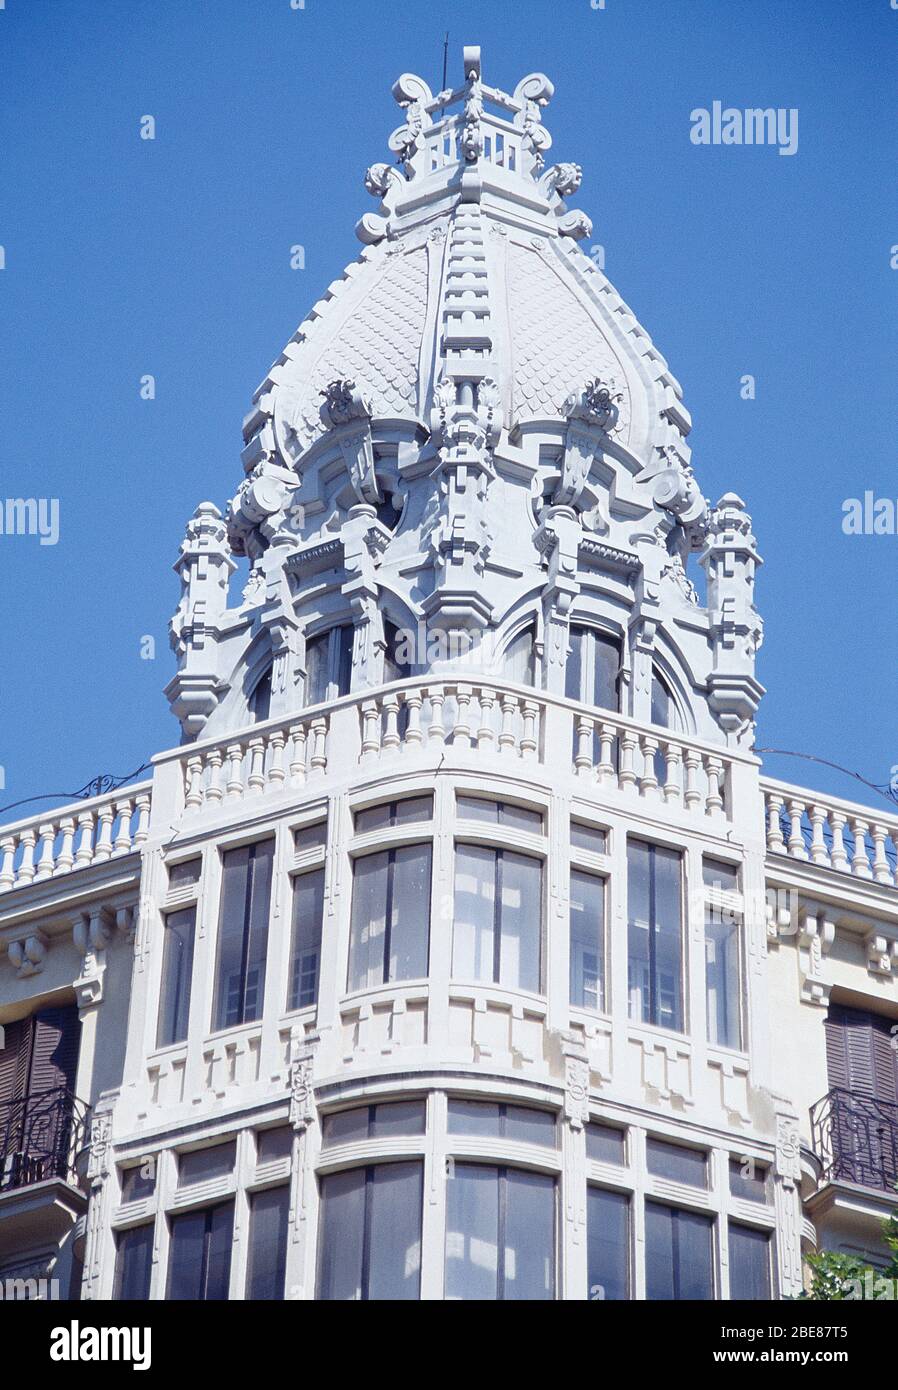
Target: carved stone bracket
{"points": [[816, 934], [27, 955]]}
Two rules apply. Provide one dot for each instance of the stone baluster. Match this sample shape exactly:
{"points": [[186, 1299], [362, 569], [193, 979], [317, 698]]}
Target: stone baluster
{"points": [[122, 843], [606, 771], [692, 796], [103, 847], [486, 733], [7, 874], [775, 842], [583, 760], [882, 871], [819, 852], [65, 859], [193, 797], [142, 833], [318, 762], [256, 780], [672, 790], [628, 745], [391, 739], [436, 733], [838, 820], [509, 710], [214, 792], [796, 834], [85, 852], [648, 782], [234, 787], [715, 773], [413, 735], [277, 775], [370, 731], [45, 862], [529, 738], [461, 738], [297, 755], [860, 859], [26, 873]]}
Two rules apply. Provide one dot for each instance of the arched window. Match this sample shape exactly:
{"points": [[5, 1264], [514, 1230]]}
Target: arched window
{"points": [[397, 666], [260, 700], [664, 709], [329, 665], [519, 662], [592, 675]]}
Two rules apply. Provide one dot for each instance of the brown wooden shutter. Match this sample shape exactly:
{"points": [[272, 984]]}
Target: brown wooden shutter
{"points": [[860, 1055], [15, 1058], [54, 1054]]}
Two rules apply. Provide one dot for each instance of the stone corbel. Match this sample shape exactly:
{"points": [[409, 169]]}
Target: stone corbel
{"points": [[592, 414], [27, 956], [882, 953], [301, 1080], [348, 413], [576, 1080], [91, 933], [816, 934]]}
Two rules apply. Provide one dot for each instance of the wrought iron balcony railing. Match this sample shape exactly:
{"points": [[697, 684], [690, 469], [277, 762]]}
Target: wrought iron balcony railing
{"points": [[856, 1139], [40, 1137]]}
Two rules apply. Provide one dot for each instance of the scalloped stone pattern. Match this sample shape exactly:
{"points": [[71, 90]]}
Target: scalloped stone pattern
{"points": [[557, 347]]}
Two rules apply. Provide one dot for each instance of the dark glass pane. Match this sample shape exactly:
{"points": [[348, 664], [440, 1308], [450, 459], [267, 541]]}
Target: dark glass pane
{"points": [[186, 874], [749, 1179], [344, 659], [317, 675], [309, 837], [529, 1255], [397, 1119], [608, 1244], [133, 1264], [260, 700], [472, 1232], [655, 935], [342, 1235], [369, 920], [139, 1182], [177, 970], [520, 908], [373, 818], [678, 1254], [477, 808], [199, 1264], [520, 818], [587, 945], [668, 939], [272, 1144], [475, 911], [394, 1256], [573, 671], [519, 658], [589, 837], [474, 1117], [269, 1217], [346, 1126], [662, 705], [749, 1264], [409, 913], [605, 1144], [528, 1126], [606, 672], [414, 809], [722, 983], [677, 1163], [203, 1164], [723, 877], [243, 933], [305, 956], [219, 1244]]}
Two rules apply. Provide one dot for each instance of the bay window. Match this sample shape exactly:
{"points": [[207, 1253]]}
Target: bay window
{"points": [[133, 1264], [390, 927], [749, 1263], [498, 917], [500, 1233], [199, 1263], [587, 941], [243, 934], [370, 1235], [329, 664], [607, 1244], [722, 958], [305, 946], [678, 1254], [269, 1219], [177, 970]]}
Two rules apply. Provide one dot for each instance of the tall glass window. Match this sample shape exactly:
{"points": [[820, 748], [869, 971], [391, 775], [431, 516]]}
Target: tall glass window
{"points": [[199, 1262], [655, 935], [678, 1254], [500, 1233], [519, 661], [133, 1264], [587, 941], [177, 969], [268, 1225], [607, 1244], [370, 1237], [305, 948], [260, 700], [592, 674], [749, 1263], [722, 959], [243, 934], [498, 917], [390, 917], [329, 665]]}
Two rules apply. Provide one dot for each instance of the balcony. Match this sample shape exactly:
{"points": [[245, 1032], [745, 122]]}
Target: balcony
{"points": [[40, 1139], [856, 1140]]}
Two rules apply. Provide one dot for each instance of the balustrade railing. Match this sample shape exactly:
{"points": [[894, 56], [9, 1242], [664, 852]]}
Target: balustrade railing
{"points": [[74, 837], [856, 840], [40, 1138], [856, 1139]]}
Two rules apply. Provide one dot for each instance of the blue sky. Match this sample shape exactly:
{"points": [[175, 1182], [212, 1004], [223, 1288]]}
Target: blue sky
{"points": [[172, 257]]}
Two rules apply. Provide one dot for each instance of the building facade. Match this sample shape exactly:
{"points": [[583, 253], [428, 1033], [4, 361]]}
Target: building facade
{"points": [[461, 949]]}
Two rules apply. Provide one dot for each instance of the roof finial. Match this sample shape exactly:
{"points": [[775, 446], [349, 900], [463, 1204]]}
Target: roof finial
{"points": [[472, 62]]}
